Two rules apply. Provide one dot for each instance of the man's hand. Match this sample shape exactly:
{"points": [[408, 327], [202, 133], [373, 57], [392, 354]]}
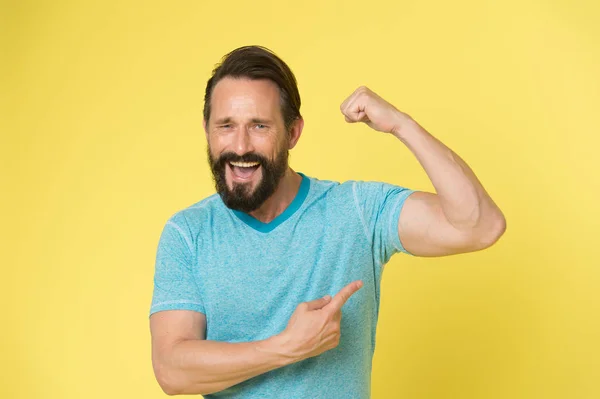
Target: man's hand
{"points": [[314, 327], [366, 106]]}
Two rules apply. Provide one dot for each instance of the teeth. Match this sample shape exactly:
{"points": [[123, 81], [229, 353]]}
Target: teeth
{"points": [[245, 164]]}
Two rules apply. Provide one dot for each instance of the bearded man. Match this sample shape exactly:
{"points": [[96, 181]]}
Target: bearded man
{"points": [[250, 283]]}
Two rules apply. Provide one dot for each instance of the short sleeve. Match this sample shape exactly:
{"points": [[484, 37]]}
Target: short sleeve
{"points": [[175, 287], [379, 205]]}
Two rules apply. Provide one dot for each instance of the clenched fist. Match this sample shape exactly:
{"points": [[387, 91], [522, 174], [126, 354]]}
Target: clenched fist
{"points": [[366, 106], [314, 327]]}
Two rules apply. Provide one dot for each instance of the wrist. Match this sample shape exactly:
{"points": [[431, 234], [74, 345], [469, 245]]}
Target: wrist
{"points": [[405, 128], [277, 347]]}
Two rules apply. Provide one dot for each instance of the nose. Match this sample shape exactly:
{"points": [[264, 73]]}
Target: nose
{"points": [[242, 142]]}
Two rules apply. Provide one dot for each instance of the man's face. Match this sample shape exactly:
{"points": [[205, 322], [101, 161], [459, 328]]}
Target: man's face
{"points": [[247, 141]]}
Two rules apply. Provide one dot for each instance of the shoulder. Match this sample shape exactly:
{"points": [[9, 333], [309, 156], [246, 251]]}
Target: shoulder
{"points": [[203, 207], [193, 216], [355, 189], [345, 197], [363, 189], [349, 190], [329, 189]]}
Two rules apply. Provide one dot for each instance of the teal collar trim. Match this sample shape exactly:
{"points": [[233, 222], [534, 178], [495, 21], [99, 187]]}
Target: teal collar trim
{"points": [[285, 215]]}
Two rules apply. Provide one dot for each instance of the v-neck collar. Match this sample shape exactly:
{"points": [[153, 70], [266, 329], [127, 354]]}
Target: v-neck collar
{"points": [[285, 215]]}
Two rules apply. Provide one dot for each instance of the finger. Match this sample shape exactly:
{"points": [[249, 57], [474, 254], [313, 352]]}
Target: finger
{"points": [[361, 116], [345, 293], [349, 99], [318, 303], [346, 105]]}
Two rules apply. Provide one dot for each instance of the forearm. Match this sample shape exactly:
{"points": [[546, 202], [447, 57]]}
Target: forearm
{"points": [[463, 199], [203, 366]]}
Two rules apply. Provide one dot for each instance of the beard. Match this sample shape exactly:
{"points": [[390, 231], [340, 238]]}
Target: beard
{"points": [[241, 197]]}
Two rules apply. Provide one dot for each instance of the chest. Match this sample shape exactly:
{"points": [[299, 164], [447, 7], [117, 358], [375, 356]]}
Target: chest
{"points": [[251, 283]]}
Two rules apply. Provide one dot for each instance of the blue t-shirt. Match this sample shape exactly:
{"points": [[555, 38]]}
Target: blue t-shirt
{"points": [[247, 277]]}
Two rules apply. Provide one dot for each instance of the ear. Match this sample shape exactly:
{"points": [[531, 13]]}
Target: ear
{"points": [[296, 132]]}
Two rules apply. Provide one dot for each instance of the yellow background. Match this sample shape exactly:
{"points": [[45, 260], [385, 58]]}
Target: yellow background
{"points": [[102, 142]]}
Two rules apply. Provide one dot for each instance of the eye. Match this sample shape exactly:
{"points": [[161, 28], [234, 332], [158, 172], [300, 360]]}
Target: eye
{"points": [[225, 126], [260, 126]]}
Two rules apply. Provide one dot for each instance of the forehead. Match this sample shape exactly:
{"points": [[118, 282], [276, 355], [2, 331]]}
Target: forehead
{"points": [[239, 97]]}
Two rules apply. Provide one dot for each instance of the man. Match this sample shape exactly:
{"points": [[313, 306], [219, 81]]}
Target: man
{"points": [[251, 283]]}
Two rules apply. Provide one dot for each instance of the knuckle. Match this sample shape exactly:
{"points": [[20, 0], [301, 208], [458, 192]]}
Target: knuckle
{"points": [[332, 316], [303, 306]]}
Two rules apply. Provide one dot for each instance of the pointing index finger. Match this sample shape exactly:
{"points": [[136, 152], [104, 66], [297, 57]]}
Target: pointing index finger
{"points": [[344, 294]]}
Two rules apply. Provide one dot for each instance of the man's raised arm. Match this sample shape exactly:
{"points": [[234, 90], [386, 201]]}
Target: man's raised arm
{"points": [[461, 216]]}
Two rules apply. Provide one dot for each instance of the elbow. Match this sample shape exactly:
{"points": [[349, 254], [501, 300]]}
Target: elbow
{"points": [[168, 381], [171, 388], [493, 232], [170, 392], [174, 378], [167, 384], [171, 385]]}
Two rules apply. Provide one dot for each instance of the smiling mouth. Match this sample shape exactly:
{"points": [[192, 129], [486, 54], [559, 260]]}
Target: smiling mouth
{"points": [[243, 170]]}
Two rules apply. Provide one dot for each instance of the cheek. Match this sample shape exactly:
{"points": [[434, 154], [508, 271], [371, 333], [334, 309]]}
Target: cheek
{"points": [[216, 145], [282, 145], [273, 145]]}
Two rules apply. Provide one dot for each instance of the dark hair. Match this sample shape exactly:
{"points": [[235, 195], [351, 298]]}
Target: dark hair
{"points": [[257, 62]]}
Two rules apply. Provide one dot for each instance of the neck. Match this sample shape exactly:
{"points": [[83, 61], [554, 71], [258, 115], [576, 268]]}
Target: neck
{"points": [[281, 198]]}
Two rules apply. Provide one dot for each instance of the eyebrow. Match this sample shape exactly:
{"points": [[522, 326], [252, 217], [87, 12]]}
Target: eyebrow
{"points": [[229, 119], [259, 120], [223, 121]]}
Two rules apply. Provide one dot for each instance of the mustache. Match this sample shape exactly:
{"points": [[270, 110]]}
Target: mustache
{"points": [[233, 157]]}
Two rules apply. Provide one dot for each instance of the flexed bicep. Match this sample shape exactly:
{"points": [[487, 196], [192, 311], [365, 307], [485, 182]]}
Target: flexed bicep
{"points": [[424, 229]]}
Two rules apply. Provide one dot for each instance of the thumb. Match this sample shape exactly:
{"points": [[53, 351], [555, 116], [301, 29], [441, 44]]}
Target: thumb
{"points": [[318, 303]]}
